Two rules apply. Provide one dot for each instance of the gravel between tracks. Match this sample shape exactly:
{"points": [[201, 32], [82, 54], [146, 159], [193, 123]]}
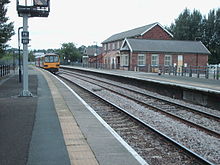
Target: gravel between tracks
{"points": [[200, 142]]}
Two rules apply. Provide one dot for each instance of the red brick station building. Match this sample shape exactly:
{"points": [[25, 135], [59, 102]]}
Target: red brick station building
{"points": [[149, 47]]}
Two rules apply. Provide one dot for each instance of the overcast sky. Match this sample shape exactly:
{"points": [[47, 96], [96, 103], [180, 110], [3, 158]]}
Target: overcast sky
{"points": [[84, 22]]}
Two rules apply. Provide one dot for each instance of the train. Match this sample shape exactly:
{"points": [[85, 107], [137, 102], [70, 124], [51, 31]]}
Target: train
{"points": [[49, 61]]}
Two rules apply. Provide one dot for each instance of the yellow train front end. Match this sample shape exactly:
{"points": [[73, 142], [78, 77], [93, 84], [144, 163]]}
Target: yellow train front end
{"points": [[51, 62]]}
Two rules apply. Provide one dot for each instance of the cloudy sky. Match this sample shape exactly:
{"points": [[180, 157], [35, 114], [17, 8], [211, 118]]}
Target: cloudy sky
{"points": [[85, 22]]}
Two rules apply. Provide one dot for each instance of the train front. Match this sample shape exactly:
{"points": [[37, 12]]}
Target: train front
{"points": [[51, 62]]}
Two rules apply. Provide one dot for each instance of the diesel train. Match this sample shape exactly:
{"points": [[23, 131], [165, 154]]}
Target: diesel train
{"points": [[49, 61]]}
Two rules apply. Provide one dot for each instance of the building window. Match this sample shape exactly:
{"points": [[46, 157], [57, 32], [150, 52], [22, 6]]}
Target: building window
{"points": [[109, 46], [167, 60], [154, 60], [113, 46], [105, 46], [118, 45], [124, 60], [141, 59]]}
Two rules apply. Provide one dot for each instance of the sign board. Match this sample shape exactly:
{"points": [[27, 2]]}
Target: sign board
{"points": [[25, 37], [41, 3], [25, 34]]}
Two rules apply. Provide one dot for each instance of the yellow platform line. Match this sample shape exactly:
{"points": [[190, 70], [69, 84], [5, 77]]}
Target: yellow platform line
{"points": [[78, 149]]}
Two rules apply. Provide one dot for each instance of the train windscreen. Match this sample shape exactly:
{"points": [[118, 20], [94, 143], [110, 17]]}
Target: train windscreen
{"points": [[51, 59]]}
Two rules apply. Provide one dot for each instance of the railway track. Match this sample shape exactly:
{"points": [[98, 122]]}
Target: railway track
{"points": [[153, 145], [203, 121]]}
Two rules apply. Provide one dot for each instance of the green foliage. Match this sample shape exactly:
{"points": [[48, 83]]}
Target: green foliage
{"points": [[6, 29], [211, 35], [31, 56], [192, 26], [69, 52], [7, 58], [187, 26]]}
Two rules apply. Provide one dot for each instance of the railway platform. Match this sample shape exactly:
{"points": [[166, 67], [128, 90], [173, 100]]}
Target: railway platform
{"points": [[182, 81], [54, 126], [200, 91]]}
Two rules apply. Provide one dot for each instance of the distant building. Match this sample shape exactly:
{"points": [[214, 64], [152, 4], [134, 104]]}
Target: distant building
{"points": [[93, 54], [112, 45], [92, 50], [149, 47], [149, 55]]}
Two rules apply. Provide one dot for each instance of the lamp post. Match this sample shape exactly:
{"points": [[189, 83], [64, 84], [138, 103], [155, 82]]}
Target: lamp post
{"points": [[29, 8], [19, 54]]}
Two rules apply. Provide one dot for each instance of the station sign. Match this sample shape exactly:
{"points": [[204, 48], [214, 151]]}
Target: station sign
{"points": [[25, 37]]}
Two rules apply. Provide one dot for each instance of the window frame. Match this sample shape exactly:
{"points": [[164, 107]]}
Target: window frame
{"points": [[47, 59], [124, 60], [51, 59], [154, 62], [109, 46], [118, 45], [141, 62], [167, 62], [113, 46]]}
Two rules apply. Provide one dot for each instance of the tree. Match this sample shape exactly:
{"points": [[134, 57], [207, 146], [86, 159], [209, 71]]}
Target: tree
{"points": [[181, 26], [69, 52], [31, 57], [211, 35], [6, 29], [195, 23], [192, 26], [187, 26]]}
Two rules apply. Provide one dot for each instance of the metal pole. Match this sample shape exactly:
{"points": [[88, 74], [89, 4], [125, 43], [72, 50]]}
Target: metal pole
{"points": [[96, 55], [19, 54], [14, 63], [25, 91]]}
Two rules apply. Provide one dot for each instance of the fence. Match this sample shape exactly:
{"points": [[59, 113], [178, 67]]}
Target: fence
{"points": [[4, 70], [208, 72], [192, 71]]}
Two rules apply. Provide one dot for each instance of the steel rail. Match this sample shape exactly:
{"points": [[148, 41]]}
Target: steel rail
{"points": [[192, 124], [217, 118], [180, 146]]}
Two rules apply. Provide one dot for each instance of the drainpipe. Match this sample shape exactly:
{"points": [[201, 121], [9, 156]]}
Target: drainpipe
{"points": [[129, 60]]}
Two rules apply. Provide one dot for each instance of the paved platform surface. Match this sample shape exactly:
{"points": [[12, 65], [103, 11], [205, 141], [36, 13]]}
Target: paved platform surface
{"points": [[30, 131], [186, 82], [54, 127]]}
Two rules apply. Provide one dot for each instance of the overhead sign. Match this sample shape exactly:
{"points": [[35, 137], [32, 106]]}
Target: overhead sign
{"points": [[43, 3]]}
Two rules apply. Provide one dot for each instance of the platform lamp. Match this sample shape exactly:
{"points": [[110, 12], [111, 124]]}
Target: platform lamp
{"points": [[27, 9]]}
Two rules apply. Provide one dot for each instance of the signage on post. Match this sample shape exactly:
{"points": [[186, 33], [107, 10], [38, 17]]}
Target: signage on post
{"points": [[25, 37], [41, 3]]}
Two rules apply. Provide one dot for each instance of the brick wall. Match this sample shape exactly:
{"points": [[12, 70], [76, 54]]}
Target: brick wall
{"points": [[133, 61], [195, 59], [156, 33], [190, 59], [203, 60]]}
